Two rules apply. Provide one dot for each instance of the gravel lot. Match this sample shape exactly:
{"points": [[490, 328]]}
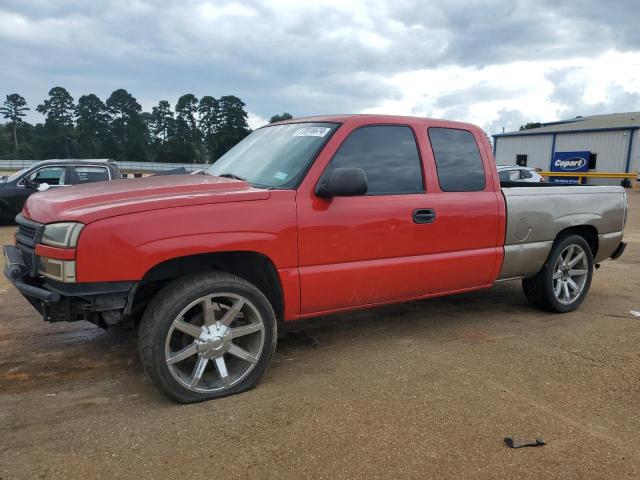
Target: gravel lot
{"points": [[426, 389]]}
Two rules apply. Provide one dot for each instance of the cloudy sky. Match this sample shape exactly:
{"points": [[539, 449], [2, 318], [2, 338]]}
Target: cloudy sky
{"points": [[492, 62]]}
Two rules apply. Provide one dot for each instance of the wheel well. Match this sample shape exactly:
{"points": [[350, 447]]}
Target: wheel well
{"points": [[588, 232], [251, 266]]}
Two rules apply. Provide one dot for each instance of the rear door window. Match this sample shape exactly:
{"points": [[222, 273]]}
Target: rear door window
{"points": [[388, 154], [88, 174], [458, 160]]}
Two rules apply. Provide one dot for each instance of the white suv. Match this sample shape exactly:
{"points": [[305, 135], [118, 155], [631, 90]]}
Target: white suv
{"points": [[514, 173]]}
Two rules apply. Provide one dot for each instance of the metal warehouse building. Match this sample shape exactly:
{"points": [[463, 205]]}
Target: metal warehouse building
{"points": [[602, 143]]}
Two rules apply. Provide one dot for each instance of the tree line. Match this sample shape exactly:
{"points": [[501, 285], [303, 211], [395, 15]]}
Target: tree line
{"points": [[194, 131]]}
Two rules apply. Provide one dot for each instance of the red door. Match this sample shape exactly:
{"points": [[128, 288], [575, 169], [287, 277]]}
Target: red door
{"points": [[403, 239]]}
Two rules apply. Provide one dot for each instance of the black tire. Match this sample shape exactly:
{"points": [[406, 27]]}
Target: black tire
{"points": [[162, 311], [539, 289]]}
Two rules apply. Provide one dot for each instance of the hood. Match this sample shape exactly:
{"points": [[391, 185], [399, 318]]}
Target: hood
{"points": [[94, 201]]}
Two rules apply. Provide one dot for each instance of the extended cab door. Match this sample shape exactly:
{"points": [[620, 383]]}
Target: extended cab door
{"points": [[406, 238]]}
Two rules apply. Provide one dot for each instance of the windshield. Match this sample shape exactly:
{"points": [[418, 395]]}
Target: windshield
{"points": [[16, 175], [276, 156]]}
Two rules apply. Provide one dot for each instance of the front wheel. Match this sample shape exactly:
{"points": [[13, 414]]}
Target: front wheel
{"points": [[207, 335], [564, 280]]}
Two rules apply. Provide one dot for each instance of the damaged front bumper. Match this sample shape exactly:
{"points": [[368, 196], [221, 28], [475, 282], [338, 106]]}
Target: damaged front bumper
{"points": [[103, 303], [16, 271]]}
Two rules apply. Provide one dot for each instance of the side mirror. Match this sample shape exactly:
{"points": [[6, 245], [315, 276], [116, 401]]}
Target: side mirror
{"points": [[343, 182], [43, 186]]}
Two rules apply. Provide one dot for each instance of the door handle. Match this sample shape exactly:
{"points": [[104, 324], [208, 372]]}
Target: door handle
{"points": [[424, 215]]}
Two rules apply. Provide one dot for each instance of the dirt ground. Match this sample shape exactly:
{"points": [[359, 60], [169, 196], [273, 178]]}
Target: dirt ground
{"points": [[422, 390]]}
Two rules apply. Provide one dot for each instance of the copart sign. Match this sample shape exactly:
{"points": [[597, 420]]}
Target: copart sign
{"points": [[569, 162]]}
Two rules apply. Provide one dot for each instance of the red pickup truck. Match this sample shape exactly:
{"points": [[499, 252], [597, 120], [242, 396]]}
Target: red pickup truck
{"points": [[302, 218]]}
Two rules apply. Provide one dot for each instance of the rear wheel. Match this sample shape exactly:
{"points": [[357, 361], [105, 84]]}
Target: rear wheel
{"points": [[564, 280], [206, 336]]}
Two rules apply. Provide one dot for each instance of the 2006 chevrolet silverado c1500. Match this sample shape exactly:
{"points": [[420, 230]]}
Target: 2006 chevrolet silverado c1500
{"points": [[302, 218]]}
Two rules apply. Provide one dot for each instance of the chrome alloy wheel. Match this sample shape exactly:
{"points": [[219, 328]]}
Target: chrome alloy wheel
{"points": [[570, 274], [214, 342]]}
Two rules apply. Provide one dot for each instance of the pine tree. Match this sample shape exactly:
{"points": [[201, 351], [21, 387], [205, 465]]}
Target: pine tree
{"points": [[187, 133], [13, 109], [58, 109], [92, 126], [209, 123], [233, 124], [128, 129]]}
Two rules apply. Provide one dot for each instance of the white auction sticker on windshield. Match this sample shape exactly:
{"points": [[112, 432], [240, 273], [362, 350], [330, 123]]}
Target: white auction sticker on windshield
{"points": [[311, 132]]}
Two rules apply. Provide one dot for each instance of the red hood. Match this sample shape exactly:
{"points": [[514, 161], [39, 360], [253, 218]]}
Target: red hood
{"points": [[94, 201]]}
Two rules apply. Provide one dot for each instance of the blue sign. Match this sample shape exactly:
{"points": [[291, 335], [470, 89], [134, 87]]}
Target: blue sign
{"points": [[569, 162]]}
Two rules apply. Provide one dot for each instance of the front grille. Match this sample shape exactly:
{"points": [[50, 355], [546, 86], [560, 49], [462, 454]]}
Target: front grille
{"points": [[28, 235], [27, 258], [27, 231]]}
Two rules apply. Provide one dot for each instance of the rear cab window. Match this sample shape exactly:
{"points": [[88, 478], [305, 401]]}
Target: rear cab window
{"points": [[389, 156], [88, 174], [458, 161]]}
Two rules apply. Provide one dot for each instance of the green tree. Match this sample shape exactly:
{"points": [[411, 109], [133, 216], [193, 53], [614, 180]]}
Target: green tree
{"points": [[6, 147], [209, 123], [186, 110], [161, 128], [58, 133], [162, 121], [129, 132], [92, 126], [530, 125], [280, 117], [13, 109], [233, 125], [187, 135]]}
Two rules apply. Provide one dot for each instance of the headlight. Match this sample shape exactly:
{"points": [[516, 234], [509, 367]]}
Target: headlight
{"points": [[62, 234]]}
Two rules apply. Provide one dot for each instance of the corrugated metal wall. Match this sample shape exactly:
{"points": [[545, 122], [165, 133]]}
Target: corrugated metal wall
{"points": [[537, 147], [611, 148]]}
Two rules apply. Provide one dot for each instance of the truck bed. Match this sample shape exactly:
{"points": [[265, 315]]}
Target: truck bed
{"points": [[537, 213]]}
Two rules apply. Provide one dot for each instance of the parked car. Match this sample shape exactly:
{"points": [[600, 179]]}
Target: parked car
{"points": [[15, 189], [303, 218], [514, 173]]}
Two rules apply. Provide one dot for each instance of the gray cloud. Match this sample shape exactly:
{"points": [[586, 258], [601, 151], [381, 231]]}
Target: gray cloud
{"points": [[476, 93], [508, 120], [569, 89], [315, 58]]}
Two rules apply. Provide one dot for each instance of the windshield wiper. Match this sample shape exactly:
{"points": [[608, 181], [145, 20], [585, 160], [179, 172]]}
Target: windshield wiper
{"points": [[232, 175]]}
